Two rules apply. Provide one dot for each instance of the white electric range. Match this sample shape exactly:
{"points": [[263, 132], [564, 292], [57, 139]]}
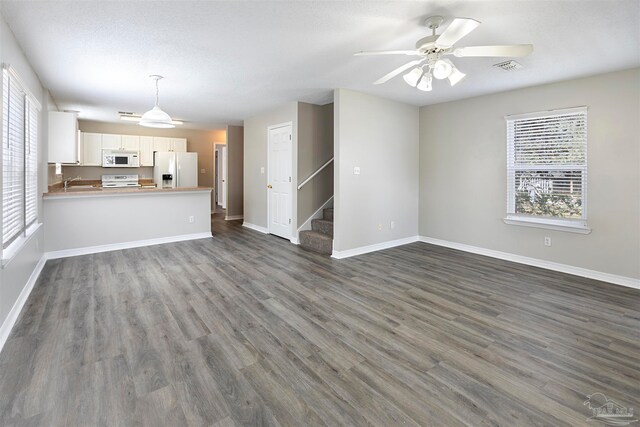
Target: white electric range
{"points": [[120, 181]]}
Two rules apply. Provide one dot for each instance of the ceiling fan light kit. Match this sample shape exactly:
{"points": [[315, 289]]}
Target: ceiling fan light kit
{"points": [[156, 118], [433, 49], [426, 83], [413, 77]]}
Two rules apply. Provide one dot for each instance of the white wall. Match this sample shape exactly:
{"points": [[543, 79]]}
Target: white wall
{"points": [[14, 276], [255, 157], [82, 221], [463, 173], [381, 137]]}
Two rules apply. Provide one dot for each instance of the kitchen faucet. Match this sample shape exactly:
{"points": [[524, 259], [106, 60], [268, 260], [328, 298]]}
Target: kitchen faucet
{"points": [[67, 181]]}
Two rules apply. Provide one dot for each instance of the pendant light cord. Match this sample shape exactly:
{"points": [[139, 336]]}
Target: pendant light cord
{"points": [[157, 92]]}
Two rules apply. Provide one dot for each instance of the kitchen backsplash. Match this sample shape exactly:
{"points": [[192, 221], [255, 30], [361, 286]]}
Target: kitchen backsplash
{"points": [[96, 172]]}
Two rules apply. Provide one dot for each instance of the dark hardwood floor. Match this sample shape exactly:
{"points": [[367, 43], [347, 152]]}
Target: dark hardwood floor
{"points": [[248, 329]]}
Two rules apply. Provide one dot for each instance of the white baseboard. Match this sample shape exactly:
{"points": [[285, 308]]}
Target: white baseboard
{"points": [[233, 217], [316, 215], [124, 245], [259, 228], [294, 240], [549, 265], [7, 325], [372, 248]]}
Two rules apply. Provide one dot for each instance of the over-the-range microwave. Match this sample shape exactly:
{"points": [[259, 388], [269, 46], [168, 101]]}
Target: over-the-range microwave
{"points": [[120, 159]]}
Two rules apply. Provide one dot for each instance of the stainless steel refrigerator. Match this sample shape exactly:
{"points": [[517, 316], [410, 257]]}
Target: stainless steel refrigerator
{"points": [[175, 170]]}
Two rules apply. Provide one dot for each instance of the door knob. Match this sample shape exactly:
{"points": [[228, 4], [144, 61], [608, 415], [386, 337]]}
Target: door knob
{"points": [[269, 186]]}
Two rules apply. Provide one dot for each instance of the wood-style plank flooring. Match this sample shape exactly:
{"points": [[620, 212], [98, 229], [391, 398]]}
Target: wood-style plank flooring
{"points": [[248, 329]]}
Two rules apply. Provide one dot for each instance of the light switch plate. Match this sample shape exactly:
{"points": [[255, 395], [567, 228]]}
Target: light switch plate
{"points": [[356, 170], [262, 170], [203, 171]]}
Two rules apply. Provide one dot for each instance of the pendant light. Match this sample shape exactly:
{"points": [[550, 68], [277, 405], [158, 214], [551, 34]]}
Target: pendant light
{"points": [[156, 118]]}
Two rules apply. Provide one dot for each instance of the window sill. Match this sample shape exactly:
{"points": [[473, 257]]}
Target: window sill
{"points": [[15, 247], [571, 226]]}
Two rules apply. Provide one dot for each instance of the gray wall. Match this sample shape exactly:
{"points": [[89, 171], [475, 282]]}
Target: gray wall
{"points": [[235, 179], [15, 274], [83, 221], [463, 173], [315, 147], [381, 137], [255, 157]]}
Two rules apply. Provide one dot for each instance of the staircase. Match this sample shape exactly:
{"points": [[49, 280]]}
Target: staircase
{"points": [[320, 237]]}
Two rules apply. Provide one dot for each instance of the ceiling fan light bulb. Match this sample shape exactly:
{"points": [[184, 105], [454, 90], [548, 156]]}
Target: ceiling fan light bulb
{"points": [[413, 77], [442, 69], [455, 76], [425, 83]]}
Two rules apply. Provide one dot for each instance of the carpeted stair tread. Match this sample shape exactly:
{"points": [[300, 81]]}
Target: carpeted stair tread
{"points": [[324, 226], [316, 241]]}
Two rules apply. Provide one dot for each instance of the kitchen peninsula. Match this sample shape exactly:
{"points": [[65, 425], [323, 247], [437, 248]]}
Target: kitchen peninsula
{"points": [[86, 220]]}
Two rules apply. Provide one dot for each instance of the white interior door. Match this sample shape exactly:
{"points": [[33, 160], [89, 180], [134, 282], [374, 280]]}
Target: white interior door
{"points": [[223, 187], [279, 181]]}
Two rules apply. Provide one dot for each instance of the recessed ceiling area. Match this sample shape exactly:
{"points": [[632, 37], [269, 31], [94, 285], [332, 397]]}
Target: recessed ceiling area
{"points": [[227, 61]]}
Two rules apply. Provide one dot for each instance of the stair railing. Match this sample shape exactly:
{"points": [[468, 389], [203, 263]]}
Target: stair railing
{"points": [[315, 173]]}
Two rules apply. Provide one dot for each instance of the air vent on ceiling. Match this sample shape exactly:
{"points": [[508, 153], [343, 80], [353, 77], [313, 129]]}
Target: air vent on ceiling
{"points": [[509, 65], [125, 113]]}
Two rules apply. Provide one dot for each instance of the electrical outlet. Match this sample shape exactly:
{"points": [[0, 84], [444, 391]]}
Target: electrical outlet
{"points": [[379, 227], [547, 241], [191, 219], [392, 225], [356, 170], [262, 170], [203, 171]]}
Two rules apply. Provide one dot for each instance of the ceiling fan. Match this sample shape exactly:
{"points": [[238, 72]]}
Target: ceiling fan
{"points": [[432, 52]]}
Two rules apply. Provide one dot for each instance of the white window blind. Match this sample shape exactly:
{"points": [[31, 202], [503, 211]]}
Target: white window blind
{"points": [[31, 163], [19, 158], [547, 165]]}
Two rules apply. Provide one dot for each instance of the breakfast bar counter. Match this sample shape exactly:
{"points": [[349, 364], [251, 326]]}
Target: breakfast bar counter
{"points": [[92, 191], [87, 219]]}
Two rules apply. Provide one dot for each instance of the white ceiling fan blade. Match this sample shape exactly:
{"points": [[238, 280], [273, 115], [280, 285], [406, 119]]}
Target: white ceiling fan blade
{"points": [[459, 28], [511, 51], [388, 52], [397, 71]]}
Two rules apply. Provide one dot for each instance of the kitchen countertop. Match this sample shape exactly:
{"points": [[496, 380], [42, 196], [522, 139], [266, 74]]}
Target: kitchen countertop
{"points": [[101, 192]]}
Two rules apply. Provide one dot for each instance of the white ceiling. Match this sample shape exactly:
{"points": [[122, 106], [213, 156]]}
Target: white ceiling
{"points": [[226, 61]]}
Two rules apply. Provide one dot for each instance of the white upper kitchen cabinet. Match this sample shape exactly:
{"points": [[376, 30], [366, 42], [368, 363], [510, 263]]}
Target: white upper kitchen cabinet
{"points": [[162, 144], [179, 145], [91, 149], [146, 151], [111, 142], [63, 137], [130, 143]]}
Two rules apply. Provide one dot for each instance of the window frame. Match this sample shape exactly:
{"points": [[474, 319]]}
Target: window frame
{"points": [[32, 109], [554, 223]]}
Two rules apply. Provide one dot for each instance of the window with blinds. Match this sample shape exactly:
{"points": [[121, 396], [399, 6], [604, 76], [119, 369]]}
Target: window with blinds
{"points": [[547, 165], [19, 158]]}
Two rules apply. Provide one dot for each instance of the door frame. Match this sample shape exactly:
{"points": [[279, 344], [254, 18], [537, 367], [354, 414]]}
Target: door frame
{"points": [[216, 171], [269, 129]]}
